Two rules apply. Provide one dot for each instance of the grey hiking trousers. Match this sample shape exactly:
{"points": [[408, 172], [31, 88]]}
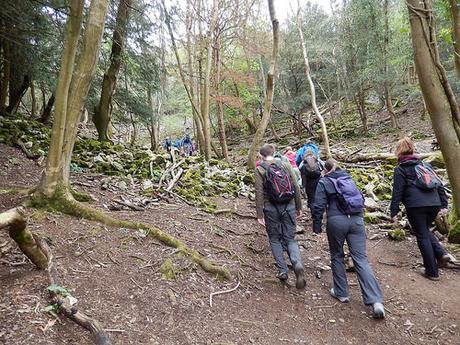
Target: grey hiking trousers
{"points": [[341, 228], [280, 225]]}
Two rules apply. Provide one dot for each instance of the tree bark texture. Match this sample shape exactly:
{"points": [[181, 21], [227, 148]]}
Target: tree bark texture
{"points": [[455, 12], [102, 114], [387, 91], [437, 93], [219, 104], [318, 114], [6, 75], [72, 89], [258, 137], [33, 98]]}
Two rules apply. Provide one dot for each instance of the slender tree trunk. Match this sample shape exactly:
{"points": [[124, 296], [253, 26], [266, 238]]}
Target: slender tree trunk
{"points": [[312, 88], [5, 77], [219, 104], [33, 98], [188, 89], [258, 137], [455, 12], [134, 135], [386, 86], [437, 93], [102, 113], [206, 85], [72, 89], [46, 113]]}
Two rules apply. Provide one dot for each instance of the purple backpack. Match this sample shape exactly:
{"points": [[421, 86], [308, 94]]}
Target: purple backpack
{"points": [[349, 198]]}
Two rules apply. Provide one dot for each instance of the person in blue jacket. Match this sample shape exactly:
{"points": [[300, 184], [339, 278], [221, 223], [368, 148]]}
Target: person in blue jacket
{"points": [[309, 145]]}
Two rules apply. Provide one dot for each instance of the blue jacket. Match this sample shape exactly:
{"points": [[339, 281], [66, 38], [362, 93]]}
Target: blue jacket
{"points": [[409, 194], [325, 199], [301, 152]]}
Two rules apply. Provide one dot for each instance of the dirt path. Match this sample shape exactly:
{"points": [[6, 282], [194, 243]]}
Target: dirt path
{"points": [[115, 274]]}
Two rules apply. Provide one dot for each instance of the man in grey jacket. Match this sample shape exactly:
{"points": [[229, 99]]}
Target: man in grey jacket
{"points": [[279, 220]]}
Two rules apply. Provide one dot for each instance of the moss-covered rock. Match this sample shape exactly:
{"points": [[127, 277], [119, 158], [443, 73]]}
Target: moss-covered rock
{"points": [[168, 270], [397, 235]]}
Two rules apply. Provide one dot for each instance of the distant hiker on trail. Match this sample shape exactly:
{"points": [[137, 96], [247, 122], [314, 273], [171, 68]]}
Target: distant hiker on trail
{"points": [[278, 202], [310, 170], [417, 186], [301, 152], [168, 146], [338, 195], [290, 154], [187, 145]]}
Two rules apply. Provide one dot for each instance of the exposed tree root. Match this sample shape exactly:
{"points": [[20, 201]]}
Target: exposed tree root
{"points": [[62, 203], [232, 212], [14, 221], [40, 254], [67, 307]]}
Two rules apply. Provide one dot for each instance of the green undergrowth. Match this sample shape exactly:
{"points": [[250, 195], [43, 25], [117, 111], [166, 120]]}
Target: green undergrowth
{"points": [[60, 202], [201, 180]]}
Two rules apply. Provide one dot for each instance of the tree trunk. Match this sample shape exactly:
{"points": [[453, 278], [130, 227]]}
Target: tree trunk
{"points": [[387, 93], [102, 114], [46, 113], [33, 98], [455, 12], [437, 93], [219, 104], [258, 137], [6, 75], [134, 135], [188, 89], [206, 85], [360, 101], [72, 89], [312, 88]]}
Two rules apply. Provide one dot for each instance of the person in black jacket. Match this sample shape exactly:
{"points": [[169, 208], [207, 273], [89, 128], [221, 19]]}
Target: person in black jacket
{"points": [[422, 207], [343, 227]]}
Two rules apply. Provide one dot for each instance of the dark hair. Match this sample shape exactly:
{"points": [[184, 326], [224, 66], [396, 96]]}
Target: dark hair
{"points": [[267, 150], [330, 165]]}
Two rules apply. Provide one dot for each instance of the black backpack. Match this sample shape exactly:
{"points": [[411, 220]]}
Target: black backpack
{"points": [[278, 183]]}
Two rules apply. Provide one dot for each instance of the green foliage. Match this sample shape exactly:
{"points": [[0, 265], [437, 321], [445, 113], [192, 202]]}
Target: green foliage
{"points": [[397, 235], [58, 290]]}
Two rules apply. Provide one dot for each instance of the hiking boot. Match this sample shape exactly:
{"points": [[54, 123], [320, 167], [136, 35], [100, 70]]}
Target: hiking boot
{"points": [[283, 276], [341, 299], [422, 272], [445, 259], [378, 311], [300, 282]]}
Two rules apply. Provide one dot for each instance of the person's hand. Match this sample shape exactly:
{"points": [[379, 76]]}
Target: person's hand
{"points": [[261, 221], [444, 211], [299, 213]]}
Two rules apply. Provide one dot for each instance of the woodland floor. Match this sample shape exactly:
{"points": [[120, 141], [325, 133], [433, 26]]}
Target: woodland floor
{"points": [[114, 273]]}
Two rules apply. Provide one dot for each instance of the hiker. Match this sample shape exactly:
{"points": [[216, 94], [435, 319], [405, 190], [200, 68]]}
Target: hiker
{"points": [[423, 199], [168, 146], [290, 154], [187, 145], [278, 203], [310, 170], [301, 152], [338, 195]]}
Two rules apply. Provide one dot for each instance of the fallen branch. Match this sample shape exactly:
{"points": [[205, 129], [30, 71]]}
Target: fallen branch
{"points": [[233, 212], [221, 292], [367, 157], [14, 221], [67, 304], [175, 179], [129, 204]]}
